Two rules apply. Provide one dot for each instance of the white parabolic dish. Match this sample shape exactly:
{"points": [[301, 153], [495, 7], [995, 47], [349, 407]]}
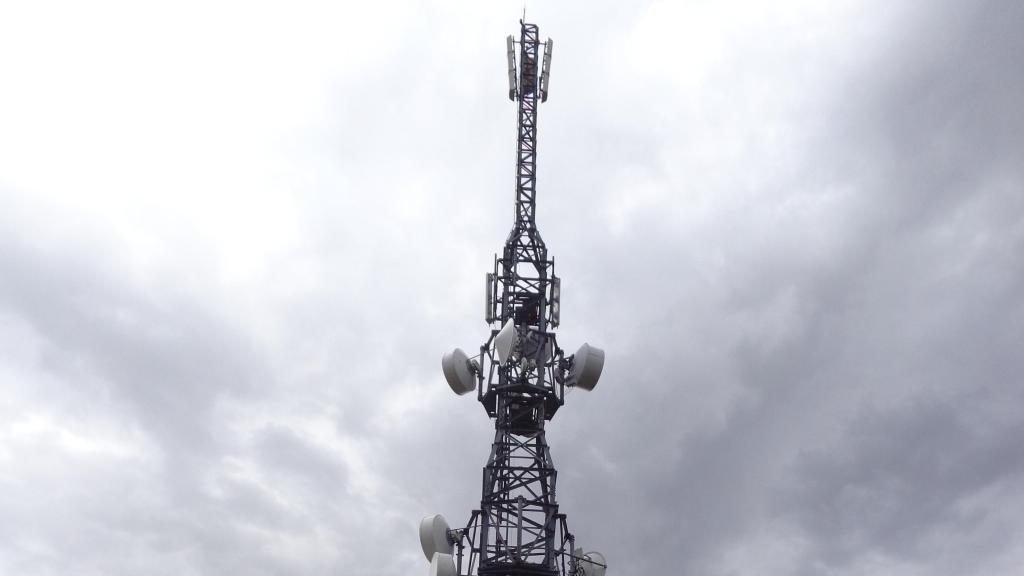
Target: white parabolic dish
{"points": [[505, 341], [593, 564], [455, 365], [587, 366], [434, 537]]}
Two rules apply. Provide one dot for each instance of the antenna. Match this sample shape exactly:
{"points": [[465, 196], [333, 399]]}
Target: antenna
{"points": [[556, 301], [511, 69], [593, 564], [521, 379], [545, 71], [505, 341], [458, 371], [587, 364], [492, 285], [434, 536]]}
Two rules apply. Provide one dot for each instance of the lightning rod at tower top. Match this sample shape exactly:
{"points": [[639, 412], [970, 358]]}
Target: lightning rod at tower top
{"points": [[520, 376]]}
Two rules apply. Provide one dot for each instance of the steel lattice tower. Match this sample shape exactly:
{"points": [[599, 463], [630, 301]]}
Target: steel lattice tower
{"points": [[519, 511], [522, 373]]}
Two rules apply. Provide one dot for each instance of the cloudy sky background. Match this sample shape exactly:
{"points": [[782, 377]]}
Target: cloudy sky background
{"points": [[236, 238]]}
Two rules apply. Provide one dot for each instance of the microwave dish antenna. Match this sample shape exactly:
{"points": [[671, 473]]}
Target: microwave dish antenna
{"points": [[459, 371], [435, 536], [592, 564]]}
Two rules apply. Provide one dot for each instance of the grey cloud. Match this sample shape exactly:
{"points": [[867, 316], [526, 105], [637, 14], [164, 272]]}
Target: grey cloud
{"points": [[805, 273], [746, 372], [169, 359], [282, 451], [902, 475]]}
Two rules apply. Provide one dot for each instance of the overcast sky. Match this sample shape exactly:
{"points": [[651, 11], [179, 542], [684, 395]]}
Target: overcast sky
{"points": [[236, 238]]}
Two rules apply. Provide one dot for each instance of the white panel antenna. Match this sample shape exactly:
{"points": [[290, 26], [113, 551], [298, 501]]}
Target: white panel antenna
{"points": [[556, 302], [489, 298], [511, 68], [545, 71]]}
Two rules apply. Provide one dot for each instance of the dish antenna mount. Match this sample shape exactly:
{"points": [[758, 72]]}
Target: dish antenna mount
{"points": [[520, 379]]}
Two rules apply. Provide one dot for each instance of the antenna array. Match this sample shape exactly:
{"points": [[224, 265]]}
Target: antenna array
{"points": [[518, 530]]}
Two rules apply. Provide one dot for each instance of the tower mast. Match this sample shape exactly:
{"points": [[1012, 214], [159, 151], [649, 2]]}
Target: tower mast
{"points": [[519, 513], [518, 530]]}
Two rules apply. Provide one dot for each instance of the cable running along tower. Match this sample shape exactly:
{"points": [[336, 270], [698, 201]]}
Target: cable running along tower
{"points": [[520, 377]]}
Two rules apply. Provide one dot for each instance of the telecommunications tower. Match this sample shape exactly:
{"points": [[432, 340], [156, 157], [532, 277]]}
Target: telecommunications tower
{"points": [[520, 377]]}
